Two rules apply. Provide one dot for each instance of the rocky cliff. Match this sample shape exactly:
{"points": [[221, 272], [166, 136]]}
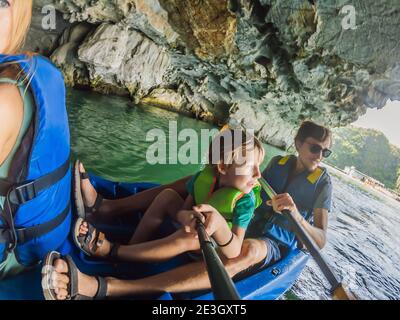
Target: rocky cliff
{"points": [[269, 64]]}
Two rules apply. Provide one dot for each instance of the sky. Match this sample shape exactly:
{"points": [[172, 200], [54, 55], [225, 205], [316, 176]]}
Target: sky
{"points": [[386, 120]]}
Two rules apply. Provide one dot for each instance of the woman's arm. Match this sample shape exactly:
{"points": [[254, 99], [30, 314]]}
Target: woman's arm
{"points": [[316, 232], [11, 116]]}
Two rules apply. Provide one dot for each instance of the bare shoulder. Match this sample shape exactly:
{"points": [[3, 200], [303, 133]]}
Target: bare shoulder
{"points": [[10, 100], [11, 111]]}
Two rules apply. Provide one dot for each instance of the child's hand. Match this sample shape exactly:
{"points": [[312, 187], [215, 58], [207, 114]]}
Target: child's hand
{"points": [[213, 219], [187, 218]]}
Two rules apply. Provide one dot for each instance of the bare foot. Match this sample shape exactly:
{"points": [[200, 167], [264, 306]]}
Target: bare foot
{"points": [[87, 285], [103, 249], [89, 193]]}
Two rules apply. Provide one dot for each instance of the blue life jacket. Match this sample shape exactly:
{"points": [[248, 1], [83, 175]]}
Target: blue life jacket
{"points": [[302, 189], [36, 217]]}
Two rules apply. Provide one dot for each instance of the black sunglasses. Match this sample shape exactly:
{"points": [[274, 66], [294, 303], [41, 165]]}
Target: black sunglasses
{"points": [[315, 148]]}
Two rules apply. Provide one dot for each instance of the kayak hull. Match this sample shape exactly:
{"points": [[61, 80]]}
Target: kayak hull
{"points": [[268, 284]]}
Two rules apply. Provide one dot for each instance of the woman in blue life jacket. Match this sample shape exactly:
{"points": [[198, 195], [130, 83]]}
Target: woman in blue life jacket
{"points": [[34, 148], [303, 187]]}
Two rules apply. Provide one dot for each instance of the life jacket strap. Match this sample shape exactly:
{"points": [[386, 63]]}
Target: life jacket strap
{"points": [[27, 234], [23, 192]]}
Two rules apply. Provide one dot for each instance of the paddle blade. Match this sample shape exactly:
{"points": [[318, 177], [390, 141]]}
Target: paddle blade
{"points": [[342, 293]]}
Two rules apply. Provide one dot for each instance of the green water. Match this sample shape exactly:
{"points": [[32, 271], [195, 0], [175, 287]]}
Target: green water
{"points": [[108, 134]]}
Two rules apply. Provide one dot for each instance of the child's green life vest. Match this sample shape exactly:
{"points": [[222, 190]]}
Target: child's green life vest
{"points": [[223, 199]]}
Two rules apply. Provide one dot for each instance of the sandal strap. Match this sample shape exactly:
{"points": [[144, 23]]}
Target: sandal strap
{"points": [[96, 206], [84, 175], [88, 238], [101, 292], [73, 278], [73, 293], [98, 241]]}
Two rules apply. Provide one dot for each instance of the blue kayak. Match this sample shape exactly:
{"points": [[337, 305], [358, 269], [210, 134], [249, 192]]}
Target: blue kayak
{"points": [[267, 284]]}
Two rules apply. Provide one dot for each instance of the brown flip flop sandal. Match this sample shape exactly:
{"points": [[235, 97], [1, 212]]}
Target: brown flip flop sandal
{"points": [[92, 240], [83, 211], [48, 291]]}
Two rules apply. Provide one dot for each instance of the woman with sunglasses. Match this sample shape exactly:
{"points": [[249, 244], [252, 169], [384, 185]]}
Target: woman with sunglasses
{"points": [[304, 188]]}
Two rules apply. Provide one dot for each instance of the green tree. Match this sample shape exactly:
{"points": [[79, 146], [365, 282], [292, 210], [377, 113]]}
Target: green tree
{"points": [[369, 151]]}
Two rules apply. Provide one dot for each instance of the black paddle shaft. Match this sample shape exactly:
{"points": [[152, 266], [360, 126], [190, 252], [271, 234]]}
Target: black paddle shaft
{"points": [[221, 284]]}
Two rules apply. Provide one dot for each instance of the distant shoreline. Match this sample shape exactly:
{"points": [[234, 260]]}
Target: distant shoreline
{"points": [[379, 192]]}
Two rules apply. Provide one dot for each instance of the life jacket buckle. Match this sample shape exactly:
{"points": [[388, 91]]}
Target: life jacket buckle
{"points": [[23, 193], [7, 236], [11, 246], [275, 272]]}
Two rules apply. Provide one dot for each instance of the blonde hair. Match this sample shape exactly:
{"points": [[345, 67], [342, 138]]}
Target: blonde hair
{"points": [[21, 20], [230, 145]]}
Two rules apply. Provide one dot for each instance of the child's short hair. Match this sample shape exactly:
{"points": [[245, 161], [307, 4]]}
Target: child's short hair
{"points": [[232, 145]]}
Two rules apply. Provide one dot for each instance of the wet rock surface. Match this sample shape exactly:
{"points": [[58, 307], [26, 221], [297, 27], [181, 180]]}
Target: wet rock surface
{"points": [[269, 64]]}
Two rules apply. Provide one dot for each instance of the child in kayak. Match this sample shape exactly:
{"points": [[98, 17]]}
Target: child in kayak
{"points": [[223, 196]]}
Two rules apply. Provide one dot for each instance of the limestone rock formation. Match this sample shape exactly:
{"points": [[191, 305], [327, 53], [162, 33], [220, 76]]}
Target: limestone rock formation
{"points": [[269, 64]]}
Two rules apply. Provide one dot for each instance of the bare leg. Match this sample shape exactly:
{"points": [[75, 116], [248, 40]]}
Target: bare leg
{"points": [[142, 200], [160, 249], [189, 277], [168, 202], [182, 279], [137, 202], [150, 251]]}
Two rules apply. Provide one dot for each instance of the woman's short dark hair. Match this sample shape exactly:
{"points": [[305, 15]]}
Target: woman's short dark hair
{"points": [[310, 129]]}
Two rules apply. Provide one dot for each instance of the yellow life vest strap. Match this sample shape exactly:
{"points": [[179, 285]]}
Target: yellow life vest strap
{"points": [[283, 160], [313, 177]]}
